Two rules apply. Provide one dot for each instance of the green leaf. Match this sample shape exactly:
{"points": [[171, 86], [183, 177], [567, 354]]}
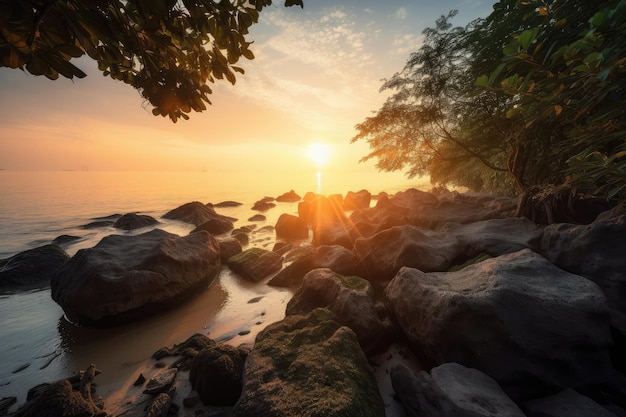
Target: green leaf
{"points": [[527, 37], [599, 19], [482, 81]]}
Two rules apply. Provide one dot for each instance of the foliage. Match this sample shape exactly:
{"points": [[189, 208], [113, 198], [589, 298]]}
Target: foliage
{"points": [[169, 50], [576, 81], [529, 95]]}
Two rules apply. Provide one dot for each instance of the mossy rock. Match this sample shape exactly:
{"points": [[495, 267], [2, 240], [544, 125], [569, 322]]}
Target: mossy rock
{"points": [[308, 365]]}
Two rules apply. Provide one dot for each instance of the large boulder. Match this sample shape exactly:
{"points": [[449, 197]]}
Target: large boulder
{"points": [[526, 323], [495, 237], [357, 200], [255, 264], [132, 221], [308, 366], [336, 258], [194, 213], [229, 247], [289, 197], [567, 403], [463, 212], [451, 390], [596, 251], [350, 298], [127, 277], [383, 254], [32, 267], [383, 216], [291, 227], [216, 374], [215, 226]]}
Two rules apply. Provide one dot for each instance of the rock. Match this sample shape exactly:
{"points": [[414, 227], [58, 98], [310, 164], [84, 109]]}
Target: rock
{"points": [[242, 237], [518, 318], [140, 380], [434, 217], [32, 267], [595, 251], [62, 399], [494, 237], [567, 403], [291, 227], [451, 390], [133, 221], [383, 216], [194, 213], [6, 403], [284, 376], [282, 248], [255, 263], [336, 258], [414, 200], [216, 374], [350, 298], [319, 207], [359, 200], [229, 247], [225, 204], [264, 204], [65, 240], [215, 226], [160, 406], [290, 197], [98, 224], [161, 382], [257, 218], [383, 254], [127, 277]]}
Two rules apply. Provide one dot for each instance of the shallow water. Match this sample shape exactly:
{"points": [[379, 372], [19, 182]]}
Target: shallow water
{"points": [[38, 345]]}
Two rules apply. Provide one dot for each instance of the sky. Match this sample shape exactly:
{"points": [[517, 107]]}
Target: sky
{"points": [[317, 73]]}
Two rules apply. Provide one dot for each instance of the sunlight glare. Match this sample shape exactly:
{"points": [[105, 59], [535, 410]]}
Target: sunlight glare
{"points": [[319, 153]]}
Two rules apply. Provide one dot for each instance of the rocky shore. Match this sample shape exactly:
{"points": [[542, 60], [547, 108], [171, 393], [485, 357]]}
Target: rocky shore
{"points": [[412, 304]]}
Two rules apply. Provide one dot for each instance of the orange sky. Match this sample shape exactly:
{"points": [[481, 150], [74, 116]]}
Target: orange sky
{"points": [[316, 74]]}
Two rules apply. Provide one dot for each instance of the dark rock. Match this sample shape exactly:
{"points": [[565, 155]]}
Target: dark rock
{"points": [[257, 218], [264, 204], [282, 248], [133, 221], [225, 204], [359, 200], [98, 224], [451, 390], [494, 237], [291, 227], [434, 217], [527, 324], [383, 254], [194, 213], [255, 263], [329, 222], [161, 382], [383, 216], [6, 403], [191, 400], [31, 267], [216, 374], [229, 247], [242, 237], [595, 251], [140, 380], [216, 226], [567, 403], [160, 406], [284, 376], [62, 399], [319, 208], [336, 258], [126, 277], [350, 298], [290, 197], [65, 240]]}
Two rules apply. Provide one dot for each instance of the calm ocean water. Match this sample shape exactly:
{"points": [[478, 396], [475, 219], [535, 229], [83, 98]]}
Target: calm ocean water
{"points": [[38, 345]]}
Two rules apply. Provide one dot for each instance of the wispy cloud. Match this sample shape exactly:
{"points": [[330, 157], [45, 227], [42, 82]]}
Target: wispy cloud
{"points": [[401, 13]]}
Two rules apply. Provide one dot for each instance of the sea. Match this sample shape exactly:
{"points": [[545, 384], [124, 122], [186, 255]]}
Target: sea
{"points": [[37, 343]]}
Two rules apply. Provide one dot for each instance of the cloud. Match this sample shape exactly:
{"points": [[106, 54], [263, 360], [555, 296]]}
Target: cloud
{"points": [[401, 13], [407, 43]]}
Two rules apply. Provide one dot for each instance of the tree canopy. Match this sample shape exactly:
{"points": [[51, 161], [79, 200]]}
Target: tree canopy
{"points": [[169, 50], [531, 94]]}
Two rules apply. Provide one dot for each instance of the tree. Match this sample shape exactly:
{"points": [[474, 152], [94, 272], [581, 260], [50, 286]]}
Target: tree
{"points": [[532, 94], [570, 69], [433, 124], [169, 50]]}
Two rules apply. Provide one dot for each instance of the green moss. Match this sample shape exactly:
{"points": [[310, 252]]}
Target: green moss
{"points": [[353, 282], [246, 255]]}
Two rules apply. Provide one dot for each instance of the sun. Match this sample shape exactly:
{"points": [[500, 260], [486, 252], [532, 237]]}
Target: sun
{"points": [[319, 154]]}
